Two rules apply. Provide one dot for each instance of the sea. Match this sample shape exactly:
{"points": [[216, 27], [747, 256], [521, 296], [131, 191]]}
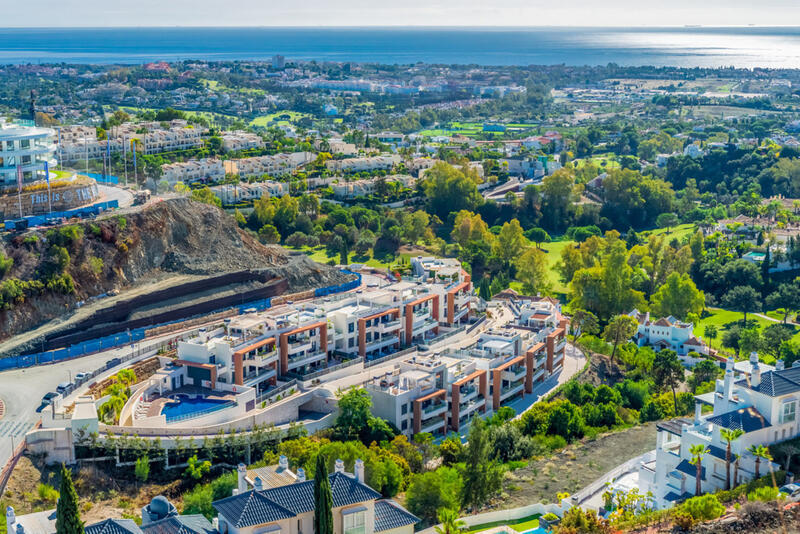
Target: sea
{"points": [[743, 47]]}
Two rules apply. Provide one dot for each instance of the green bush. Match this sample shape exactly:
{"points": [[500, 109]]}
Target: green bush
{"points": [[765, 494], [47, 492], [704, 507]]}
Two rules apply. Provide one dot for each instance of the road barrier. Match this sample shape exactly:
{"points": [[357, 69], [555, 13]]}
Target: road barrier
{"points": [[39, 220]]}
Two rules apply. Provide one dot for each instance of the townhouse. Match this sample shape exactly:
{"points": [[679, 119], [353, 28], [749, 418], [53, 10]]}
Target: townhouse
{"points": [[246, 192], [241, 140], [358, 188], [276, 166], [762, 404], [202, 170], [372, 163]]}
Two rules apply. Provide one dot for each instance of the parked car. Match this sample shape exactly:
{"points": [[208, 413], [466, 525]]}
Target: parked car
{"points": [[81, 376], [792, 491], [65, 387], [48, 398], [113, 362]]}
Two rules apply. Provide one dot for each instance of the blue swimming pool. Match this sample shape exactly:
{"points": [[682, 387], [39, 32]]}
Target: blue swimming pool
{"points": [[182, 407]]}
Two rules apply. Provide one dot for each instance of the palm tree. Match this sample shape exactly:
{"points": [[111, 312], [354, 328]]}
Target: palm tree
{"points": [[790, 450], [736, 470], [697, 452], [729, 436], [450, 521], [759, 451]]}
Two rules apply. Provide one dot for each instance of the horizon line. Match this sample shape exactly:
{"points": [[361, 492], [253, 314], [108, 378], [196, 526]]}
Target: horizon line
{"points": [[401, 26]]}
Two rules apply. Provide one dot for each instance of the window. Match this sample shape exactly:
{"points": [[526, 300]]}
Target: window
{"points": [[404, 426], [789, 410], [354, 523], [404, 408], [351, 327]]}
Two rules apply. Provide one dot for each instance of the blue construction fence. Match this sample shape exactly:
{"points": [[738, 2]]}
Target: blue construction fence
{"points": [[110, 342], [38, 220], [107, 179], [347, 286], [87, 347]]}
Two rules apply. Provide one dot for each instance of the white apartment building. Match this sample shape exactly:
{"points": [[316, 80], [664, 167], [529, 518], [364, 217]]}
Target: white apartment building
{"points": [[763, 406], [344, 190], [26, 149], [199, 170], [241, 140], [234, 193], [277, 165], [667, 333], [372, 163]]}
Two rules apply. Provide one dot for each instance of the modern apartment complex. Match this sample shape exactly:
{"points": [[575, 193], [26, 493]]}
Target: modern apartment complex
{"points": [[372, 163], [25, 149]]}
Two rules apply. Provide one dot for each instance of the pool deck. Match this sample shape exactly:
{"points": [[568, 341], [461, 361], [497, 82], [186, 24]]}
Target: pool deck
{"points": [[157, 405]]}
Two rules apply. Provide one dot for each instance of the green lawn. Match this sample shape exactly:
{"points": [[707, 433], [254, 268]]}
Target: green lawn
{"points": [[320, 255], [720, 318], [679, 232], [265, 120], [520, 525], [553, 250]]}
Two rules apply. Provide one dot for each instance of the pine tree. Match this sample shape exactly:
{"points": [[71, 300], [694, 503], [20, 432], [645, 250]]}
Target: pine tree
{"points": [[323, 500], [68, 517]]}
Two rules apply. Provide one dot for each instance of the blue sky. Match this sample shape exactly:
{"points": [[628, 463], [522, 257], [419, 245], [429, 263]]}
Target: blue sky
{"points": [[65, 13]]}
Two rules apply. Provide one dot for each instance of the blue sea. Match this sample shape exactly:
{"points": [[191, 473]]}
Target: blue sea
{"points": [[685, 47]]}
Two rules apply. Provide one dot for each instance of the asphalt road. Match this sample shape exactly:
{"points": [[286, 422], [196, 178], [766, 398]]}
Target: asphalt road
{"points": [[22, 391]]}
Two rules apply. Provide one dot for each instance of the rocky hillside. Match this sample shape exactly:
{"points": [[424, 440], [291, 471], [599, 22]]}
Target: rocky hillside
{"points": [[56, 271]]}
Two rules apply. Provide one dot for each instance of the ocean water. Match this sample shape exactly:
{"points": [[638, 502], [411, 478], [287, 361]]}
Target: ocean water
{"points": [[686, 47]]}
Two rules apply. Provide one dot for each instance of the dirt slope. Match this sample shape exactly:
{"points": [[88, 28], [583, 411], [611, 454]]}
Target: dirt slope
{"points": [[166, 243]]}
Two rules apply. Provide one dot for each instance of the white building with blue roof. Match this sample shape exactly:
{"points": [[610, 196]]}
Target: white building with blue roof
{"points": [[289, 508], [762, 404]]}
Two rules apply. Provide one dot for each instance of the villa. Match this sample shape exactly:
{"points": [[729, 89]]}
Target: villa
{"points": [[763, 405], [667, 333], [285, 505]]}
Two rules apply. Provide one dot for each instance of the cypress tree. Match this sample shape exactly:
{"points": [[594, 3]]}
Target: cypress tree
{"points": [[323, 499], [68, 517]]}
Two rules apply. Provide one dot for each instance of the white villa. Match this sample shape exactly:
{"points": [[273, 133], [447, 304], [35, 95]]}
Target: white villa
{"points": [[763, 406], [667, 333]]}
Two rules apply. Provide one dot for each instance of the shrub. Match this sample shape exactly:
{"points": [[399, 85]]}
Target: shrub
{"points": [[765, 494], [96, 264], [704, 507], [549, 516], [47, 492]]}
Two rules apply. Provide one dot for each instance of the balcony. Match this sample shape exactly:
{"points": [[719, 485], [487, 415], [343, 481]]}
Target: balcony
{"points": [[305, 359], [262, 359], [433, 409], [511, 390], [252, 379], [299, 346], [468, 393], [541, 361], [379, 344], [558, 358], [434, 426], [514, 373], [466, 408], [424, 327], [560, 345], [390, 326], [538, 374]]}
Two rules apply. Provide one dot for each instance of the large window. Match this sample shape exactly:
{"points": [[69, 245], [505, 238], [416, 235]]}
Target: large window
{"points": [[354, 523], [789, 410]]}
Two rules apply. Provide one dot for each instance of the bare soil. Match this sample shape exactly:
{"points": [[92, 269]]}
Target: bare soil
{"points": [[574, 467]]}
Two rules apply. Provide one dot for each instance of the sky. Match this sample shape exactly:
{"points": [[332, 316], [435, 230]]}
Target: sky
{"points": [[104, 13]]}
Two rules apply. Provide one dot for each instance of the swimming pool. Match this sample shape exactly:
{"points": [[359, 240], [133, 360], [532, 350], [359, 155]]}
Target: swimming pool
{"points": [[182, 407]]}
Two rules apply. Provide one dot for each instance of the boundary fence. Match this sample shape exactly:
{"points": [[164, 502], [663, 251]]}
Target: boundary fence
{"points": [[138, 334], [38, 220]]}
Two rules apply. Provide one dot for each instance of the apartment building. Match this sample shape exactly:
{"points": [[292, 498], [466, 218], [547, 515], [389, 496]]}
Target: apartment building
{"points": [[241, 140], [450, 281], [763, 405], [367, 330], [243, 192], [345, 190], [286, 505], [667, 333], [24, 151], [368, 164], [202, 170], [542, 315], [277, 165]]}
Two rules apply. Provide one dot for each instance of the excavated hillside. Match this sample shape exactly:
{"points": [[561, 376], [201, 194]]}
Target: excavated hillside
{"points": [[124, 256]]}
